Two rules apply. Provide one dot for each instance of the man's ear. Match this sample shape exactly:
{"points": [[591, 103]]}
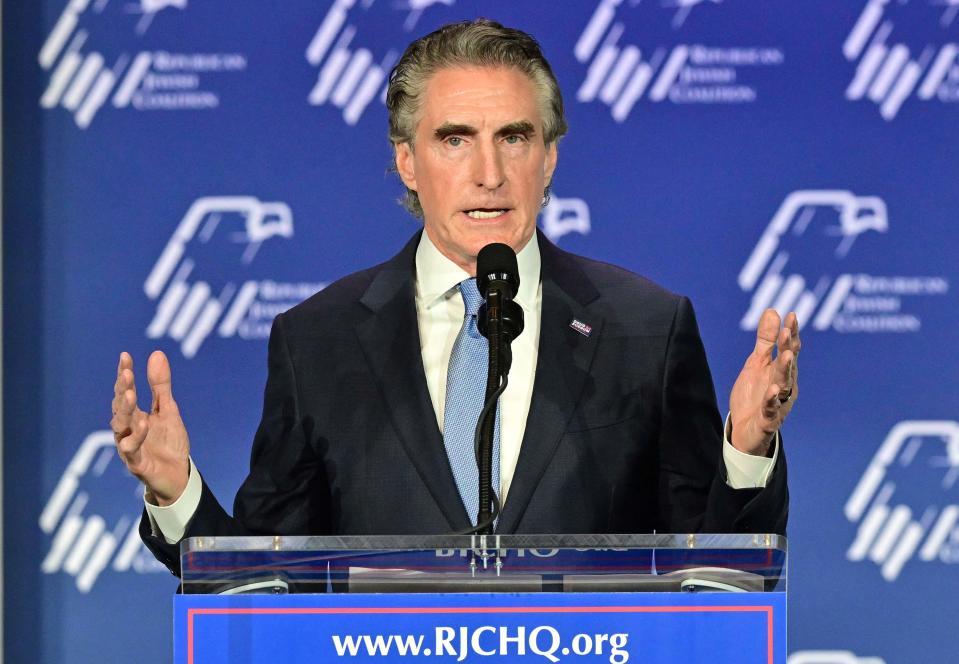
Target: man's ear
{"points": [[404, 165], [549, 165]]}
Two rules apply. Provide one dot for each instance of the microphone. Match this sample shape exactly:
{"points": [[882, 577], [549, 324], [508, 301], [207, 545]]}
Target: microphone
{"points": [[497, 277], [500, 320]]}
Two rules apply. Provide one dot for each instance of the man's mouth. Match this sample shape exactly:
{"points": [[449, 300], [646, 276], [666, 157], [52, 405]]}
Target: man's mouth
{"points": [[485, 213]]}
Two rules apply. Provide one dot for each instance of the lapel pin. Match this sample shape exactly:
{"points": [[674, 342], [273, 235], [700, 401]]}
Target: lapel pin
{"points": [[581, 327]]}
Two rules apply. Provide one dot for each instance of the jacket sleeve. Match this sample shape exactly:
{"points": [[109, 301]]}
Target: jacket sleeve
{"points": [[284, 492], [693, 495]]}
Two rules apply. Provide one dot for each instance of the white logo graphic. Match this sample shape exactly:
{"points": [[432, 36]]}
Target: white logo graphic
{"points": [[948, 16], [416, 9], [150, 8], [845, 303], [683, 7], [188, 312], [82, 82], [85, 543], [563, 216], [619, 75], [906, 501], [831, 657], [888, 74], [350, 78]]}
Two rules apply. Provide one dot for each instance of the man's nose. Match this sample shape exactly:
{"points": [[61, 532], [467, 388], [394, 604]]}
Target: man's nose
{"points": [[488, 169]]}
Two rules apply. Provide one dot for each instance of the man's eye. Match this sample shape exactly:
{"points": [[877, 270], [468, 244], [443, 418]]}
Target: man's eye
{"points": [[513, 139], [454, 141]]}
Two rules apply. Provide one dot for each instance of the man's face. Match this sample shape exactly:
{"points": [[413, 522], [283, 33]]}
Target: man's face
{"points": [[479, 165]]}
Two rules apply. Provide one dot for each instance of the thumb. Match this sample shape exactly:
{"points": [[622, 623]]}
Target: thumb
{"points": [[160, 379]]}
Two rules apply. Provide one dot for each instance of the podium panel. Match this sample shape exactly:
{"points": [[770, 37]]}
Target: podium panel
{"points": [[547, 628], [518, 598]]}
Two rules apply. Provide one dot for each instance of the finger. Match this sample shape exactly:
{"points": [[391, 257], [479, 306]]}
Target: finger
{"points": [[771, 407], [767, 332], [783, 372], [123, 419], [792, 322], [129, 446], [160, 378], [784, 340], [794, 382], [126, 362], [789, 342], [125, 401]]}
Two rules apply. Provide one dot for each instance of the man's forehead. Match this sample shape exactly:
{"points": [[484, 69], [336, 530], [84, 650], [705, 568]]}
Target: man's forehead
{"points": [[467, 94]]}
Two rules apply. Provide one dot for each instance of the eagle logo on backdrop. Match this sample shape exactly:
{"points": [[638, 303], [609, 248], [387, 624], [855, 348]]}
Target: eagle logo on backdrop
{"points": [[906, 504], [888, 71], [89, 533], [353, 64], [683, 7], [222, 235], [797, 265], [94, 58], [150, 8], [620, 73], [563, 216]]}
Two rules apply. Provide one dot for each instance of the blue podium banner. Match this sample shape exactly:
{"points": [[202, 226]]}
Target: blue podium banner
{"points": [[613, 628]]}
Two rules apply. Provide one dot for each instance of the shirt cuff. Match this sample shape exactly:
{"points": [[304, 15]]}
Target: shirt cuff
{"points": [[747, 471], [171, 521]]}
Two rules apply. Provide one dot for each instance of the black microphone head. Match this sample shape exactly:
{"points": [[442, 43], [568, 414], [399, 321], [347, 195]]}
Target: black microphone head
{"points": [[497, 262]]}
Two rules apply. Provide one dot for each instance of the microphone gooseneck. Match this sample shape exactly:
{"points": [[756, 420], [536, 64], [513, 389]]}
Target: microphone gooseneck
{"points": [[500, 320]]}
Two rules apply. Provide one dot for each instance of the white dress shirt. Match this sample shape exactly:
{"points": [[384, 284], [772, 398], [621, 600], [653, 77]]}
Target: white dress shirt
{"points": [[439, 317]]}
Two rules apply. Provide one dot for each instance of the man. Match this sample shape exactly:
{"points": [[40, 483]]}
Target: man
{"points": [[609, 423]]}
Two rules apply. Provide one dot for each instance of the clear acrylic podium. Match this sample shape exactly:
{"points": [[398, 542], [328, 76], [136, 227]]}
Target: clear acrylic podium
{"points": [[510, 598]]}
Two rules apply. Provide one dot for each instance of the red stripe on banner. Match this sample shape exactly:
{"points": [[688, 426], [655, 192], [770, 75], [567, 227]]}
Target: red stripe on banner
{"points": [[769, 636]]}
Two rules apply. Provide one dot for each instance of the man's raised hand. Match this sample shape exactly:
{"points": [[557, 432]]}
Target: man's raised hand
{"points": [[154, 446], [767, 386]]}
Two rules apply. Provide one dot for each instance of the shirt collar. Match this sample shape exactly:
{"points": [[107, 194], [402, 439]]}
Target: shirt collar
{"points": [[437, 276]]}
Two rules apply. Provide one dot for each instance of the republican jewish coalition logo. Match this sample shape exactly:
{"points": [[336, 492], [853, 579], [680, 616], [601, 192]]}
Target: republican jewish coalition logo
{"points": [[353, 67], [897, 60], [89, 534], [802, 263], [621, 73], [224, 235], [906, 504], [94, 59]]}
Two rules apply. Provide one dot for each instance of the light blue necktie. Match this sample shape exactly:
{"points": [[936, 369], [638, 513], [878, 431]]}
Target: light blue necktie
{"points": [[465, 395]]}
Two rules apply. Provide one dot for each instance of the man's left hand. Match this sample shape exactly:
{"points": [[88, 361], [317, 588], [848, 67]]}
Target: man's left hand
{"points": [[767, 387]]}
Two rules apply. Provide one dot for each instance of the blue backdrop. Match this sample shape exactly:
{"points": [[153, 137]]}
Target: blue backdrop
{"points": [[176, 172]]}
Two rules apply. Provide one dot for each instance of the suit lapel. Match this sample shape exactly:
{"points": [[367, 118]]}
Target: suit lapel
{"points": [[562, 367], [391, 343]]}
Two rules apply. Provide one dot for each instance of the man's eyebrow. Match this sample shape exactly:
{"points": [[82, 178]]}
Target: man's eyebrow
{"points": [[450, 129], [519, 127]]}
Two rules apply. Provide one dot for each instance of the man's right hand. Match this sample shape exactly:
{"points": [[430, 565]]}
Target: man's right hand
{"points": [[154, 446]]}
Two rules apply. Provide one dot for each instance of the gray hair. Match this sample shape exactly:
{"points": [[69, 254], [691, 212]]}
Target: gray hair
{"points": [[482, 43]]}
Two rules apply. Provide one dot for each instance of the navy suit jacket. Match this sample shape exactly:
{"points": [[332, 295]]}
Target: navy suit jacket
{"points": [[623, 433]]}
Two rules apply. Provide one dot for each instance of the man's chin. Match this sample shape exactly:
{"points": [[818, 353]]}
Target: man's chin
{"points": [[480, 236], [462, 240]]}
